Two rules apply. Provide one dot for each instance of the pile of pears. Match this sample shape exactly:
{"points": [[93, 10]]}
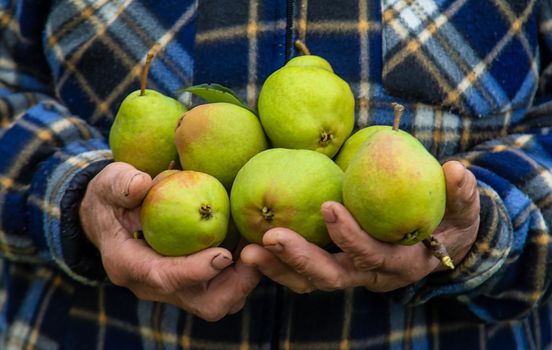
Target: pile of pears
{"points": [[223, 171]]}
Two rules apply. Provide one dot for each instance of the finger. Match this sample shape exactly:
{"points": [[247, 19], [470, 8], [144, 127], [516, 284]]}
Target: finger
{"points": [[227, 292], [122, 185], [460, 184], [267, 263], [131, 262], [306, 259], [366, 252]]}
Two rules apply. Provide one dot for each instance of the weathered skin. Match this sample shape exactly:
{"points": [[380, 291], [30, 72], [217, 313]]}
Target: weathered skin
{"points": [[306, 107], [395, 188], [290, 185], [171, 214], [218, 139], [143, 131], [353, 143]]}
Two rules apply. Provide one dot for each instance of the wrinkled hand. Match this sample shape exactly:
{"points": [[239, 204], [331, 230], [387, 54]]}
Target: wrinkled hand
{"points": [[203, 283], [289, 259]]}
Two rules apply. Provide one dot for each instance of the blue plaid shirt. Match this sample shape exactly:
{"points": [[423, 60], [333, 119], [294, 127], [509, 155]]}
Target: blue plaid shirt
{"points": [[474, 75]]}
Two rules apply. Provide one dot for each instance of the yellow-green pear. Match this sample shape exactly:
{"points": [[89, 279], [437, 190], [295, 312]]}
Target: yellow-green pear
{"points": [[395, 188], [185, 212], [142, 133], [353, 143], [218, 139], [310, 61], [285, 188], [305, 105]]}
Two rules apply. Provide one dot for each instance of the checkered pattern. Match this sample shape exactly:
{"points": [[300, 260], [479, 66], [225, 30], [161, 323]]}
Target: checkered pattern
{"points": [[474, 76]]}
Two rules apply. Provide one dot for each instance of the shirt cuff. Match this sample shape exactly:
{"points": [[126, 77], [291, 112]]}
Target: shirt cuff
{"points": [[480, 267], [60, 185]]}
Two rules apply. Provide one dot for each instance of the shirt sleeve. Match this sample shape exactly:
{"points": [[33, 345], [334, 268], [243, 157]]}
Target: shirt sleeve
{"points": [[507, 272], [47, 155]]}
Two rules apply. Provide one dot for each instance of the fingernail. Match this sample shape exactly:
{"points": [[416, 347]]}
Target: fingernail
{"points": [[463, 181], [221, 261], [328, 213], [127, 189], [275, 248]]}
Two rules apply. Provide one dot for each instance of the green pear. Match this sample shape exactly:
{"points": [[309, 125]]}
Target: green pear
{"points": [[352, 145], [310, 61], [395, 188], [185, 212], [304, 105], [142, 133], [218, 139], [285, 188]]}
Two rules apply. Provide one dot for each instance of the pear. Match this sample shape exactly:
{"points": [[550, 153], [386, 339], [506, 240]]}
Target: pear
{"points": [[353, 143], [185, 212], [142, 133], [305, 105], [310, 61], [394, 187], [285, 188], [218, 139]]}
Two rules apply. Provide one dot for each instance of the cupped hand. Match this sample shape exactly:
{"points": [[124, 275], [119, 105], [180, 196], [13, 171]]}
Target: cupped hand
{"points": [[289, 259], [205, 283]]}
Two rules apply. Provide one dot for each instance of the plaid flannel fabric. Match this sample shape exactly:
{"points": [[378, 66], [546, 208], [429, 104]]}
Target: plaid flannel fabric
{"points": [[466, 70]]}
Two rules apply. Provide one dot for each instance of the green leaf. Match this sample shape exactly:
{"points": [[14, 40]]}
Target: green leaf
{"points": [[216, 93]]}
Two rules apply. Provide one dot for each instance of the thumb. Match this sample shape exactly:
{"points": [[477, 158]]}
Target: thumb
{"points": [[461, 187], [122, 185], [367, 252]]}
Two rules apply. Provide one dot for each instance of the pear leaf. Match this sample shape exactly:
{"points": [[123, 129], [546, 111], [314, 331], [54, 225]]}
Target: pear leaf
{"points": [[214, 92]]}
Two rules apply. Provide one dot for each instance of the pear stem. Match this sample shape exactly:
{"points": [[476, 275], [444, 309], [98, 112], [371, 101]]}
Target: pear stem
{"points": [[302, 47], [399, 110], [145, 72], [172, 165], [439, 251]]}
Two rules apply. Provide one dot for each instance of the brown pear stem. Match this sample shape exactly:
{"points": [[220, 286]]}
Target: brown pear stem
{"points": [[172, 165], [399, 110], [302, 47], [145, 72], [439, 251]]}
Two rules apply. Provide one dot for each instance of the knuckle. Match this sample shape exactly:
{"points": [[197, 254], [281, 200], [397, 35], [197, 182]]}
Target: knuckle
{"points": [[114, 272], [368, 262], [300, 263], [345, 240]]}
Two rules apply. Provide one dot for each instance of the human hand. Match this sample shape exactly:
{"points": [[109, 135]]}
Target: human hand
{"points": [[203, 283], [289, 259]]}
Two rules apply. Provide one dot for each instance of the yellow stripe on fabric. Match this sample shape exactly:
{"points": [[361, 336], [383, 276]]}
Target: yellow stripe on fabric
{"points": [[413, 44], [481, 67], [32, 341], [185, 339], [252, 52], [245, 327], [348, 301], [43, 135], [88, 11], [149, 42], [363, 29], [136, 69], [320, 27], [302, 24], [71, 62], [516, 26]]}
